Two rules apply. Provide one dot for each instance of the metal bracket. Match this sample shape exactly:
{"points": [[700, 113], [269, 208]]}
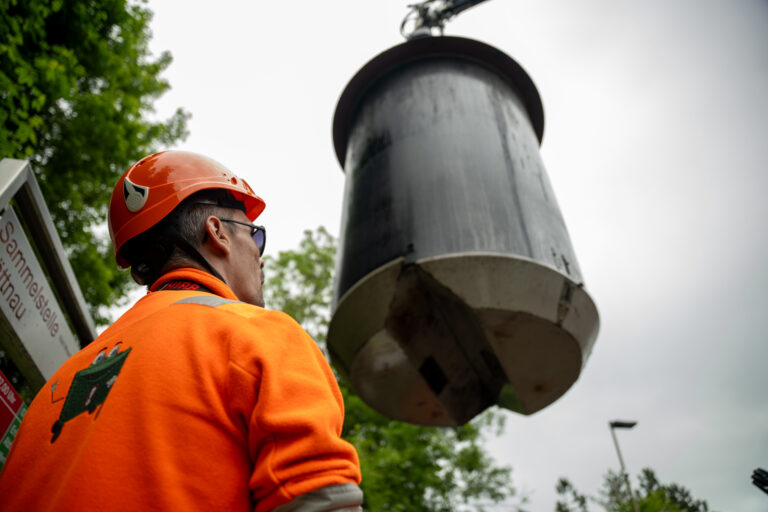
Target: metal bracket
{"points": [[432, 14]]}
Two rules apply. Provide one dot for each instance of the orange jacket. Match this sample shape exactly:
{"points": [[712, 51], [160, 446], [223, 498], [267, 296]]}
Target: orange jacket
{"points": [[190, 401]]}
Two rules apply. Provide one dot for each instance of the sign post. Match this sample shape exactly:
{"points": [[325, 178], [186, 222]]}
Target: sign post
{"points": [[43, 316]]}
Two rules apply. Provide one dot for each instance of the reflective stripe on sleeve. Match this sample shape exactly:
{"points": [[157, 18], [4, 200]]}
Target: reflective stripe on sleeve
{"points": [[331, 498]]}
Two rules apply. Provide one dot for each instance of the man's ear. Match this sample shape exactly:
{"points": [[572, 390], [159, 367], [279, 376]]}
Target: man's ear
{"points": [[219, 238]]}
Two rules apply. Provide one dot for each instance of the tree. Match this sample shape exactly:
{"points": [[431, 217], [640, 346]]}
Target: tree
{"points": [[405, 467], [77, 88], [573, 500], [614, 496]]}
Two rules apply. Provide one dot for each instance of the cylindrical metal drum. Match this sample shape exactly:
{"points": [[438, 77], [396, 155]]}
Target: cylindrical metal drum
{"points": [[456, 286]]}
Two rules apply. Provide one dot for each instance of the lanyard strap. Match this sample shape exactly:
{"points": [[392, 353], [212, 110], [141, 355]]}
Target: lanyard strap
{"points": [[184, 285]]}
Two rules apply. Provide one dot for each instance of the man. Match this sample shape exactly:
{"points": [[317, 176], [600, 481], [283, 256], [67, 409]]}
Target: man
{"points": [[197, 398]]}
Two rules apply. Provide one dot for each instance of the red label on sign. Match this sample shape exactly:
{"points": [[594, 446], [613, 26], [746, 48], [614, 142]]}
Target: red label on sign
{"points": [[8, 394], [10, 403]]}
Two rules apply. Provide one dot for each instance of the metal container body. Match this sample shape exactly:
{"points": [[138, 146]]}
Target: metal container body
{"points": [[443, 159], [440, 147]]}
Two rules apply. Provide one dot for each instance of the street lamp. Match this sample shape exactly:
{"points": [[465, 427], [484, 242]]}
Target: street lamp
{"points": [[623, 424]]}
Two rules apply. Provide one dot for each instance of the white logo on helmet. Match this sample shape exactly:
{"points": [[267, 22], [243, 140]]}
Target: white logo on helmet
{"points": [[135, 195]]}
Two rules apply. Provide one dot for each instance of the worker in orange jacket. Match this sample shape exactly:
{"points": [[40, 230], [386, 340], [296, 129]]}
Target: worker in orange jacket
{"points": [[197, 398]]}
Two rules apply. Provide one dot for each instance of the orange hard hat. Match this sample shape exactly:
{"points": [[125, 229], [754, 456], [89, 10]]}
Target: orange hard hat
{"points": [[152, 187]]}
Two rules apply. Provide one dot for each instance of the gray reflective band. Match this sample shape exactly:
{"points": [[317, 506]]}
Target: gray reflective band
{"points": [[331, 498], [206, 300]]}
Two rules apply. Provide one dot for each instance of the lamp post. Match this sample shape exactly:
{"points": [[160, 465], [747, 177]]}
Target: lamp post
{"points": [[623, 424]]}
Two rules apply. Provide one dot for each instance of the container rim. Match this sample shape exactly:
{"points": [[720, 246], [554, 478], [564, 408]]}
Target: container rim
{"points": [[423, 48]]}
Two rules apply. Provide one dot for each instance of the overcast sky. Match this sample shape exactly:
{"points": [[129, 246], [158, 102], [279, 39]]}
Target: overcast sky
{"points": [[656, 143]]}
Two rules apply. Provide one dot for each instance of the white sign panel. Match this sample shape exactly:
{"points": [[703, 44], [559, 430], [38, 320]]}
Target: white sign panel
{"points": [[27, 301]]}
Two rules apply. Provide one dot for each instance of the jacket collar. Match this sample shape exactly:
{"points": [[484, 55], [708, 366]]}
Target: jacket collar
{"points": [[199, 276]]}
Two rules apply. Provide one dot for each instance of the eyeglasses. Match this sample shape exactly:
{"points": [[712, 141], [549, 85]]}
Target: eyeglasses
{"points": [[258, 233]]}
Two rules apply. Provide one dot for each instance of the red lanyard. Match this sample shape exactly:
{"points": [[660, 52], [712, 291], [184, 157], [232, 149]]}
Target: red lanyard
{"points": [[184, 285]]}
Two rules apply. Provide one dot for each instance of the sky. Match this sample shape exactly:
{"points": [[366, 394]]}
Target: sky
{"points": [[656, 144]]}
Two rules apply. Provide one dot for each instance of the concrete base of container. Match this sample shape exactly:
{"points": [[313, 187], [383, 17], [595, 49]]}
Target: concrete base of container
{"points": [[437, 341]]}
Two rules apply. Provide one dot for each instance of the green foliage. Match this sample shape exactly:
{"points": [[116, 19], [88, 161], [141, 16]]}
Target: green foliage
{"points": [[673, 494], [77, 87], [299, 282], [405, 467], [572, 500], [614, 496]]}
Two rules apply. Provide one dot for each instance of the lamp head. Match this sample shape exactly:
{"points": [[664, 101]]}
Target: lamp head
{"points": [[622, 424]]}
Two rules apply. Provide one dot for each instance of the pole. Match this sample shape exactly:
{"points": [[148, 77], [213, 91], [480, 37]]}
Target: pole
{"points": [[623, 470]]}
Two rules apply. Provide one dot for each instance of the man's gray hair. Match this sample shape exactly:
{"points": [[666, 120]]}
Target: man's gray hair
{"points": [[159, 247]]}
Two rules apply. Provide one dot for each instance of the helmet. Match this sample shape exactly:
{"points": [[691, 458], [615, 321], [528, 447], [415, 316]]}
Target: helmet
{"points": [[152, 187]]}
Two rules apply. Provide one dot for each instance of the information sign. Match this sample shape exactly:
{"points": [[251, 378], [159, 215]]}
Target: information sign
{"points": [[27, 301]]}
